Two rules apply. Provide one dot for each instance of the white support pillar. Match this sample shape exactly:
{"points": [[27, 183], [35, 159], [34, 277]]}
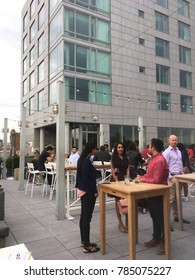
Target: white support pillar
{"points": [[42, 139], [67, 137], [141, 133], [101, 134], [22, 148], [5, 130], [60, 148]]}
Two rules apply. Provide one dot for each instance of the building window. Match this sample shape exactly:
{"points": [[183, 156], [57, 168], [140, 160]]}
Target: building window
{"points": [[25, 65], [88, 91], [141, 41], [41, 72], [162, 48], [86, 27], [102, 6], [87, 60], [186, 104], [184, 31], [41, 44], [32, 105], [25, 87], [184, 55], [53, 4], [56, 60], [162, 74], [56, 27], [183, 8], [161, 22], [32, 80], [163, 3], [41, 17], [32, 8], [32, 56], [25, 21], [142, 69], [41, 100], [53, 93], [32, 31], [185, 79], [25, 43], [163, 101], [140, 13]]}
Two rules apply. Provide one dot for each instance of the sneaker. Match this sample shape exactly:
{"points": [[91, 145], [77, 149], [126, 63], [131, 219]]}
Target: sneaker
{"points": [[151, 243], [185, 198], [161, 249]]}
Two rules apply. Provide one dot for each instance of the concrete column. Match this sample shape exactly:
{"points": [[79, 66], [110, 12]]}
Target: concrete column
{"points": [[60, 148], [141, 133], [67, 138], [22, 148], [101, 134], [42, 139], [5, 147]]}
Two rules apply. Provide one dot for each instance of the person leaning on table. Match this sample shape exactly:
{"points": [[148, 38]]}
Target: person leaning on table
{"points": [[157, 173], [87, 191], [174, 160]]}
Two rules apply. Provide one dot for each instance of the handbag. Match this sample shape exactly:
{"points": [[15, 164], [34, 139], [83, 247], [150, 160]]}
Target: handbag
{"points": [[123, 206]]}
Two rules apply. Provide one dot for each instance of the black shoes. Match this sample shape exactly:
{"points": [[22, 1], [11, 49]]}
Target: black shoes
{"points": [[171, 228], [184, 221]]}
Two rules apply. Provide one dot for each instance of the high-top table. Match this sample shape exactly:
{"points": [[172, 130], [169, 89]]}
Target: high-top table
{"points": [[183, 178], [133, 192]]}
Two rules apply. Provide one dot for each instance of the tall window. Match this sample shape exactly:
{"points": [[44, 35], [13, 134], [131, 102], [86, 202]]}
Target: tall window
{"points": [[53, 93], [53, 4], [25, 87], [41, 72], [41, 17], [186, 104], [25, 21], [32, 105], [161, 22], [56, 60], [32, 56], [32, 8], [102, 6], [25, 43], [41, 100], [163, 3], [183, 8], [24, 65], [184, 31], [163, 101], [41, 44], [87, 28], [56, 26], [184, 55], [162, 74], [32, 80], [32, 31], [185, 79], [162, 48]]}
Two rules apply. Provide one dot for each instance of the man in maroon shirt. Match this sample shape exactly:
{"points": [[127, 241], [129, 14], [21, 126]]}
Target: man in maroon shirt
{"points": [[157, 173]]}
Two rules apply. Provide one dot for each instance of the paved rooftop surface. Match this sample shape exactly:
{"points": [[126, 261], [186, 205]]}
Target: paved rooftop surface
{"points": [[32, 221]]}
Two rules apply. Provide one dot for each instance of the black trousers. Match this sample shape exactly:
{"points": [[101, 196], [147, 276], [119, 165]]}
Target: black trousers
{"points": [[87, 207], [156, 212]]}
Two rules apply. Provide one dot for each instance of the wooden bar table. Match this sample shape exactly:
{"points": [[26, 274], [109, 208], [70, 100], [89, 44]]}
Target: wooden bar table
{"points": [[183, 178], [133, 192]]}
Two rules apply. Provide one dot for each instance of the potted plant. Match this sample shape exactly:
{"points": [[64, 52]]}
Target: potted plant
{"points": [[11, 163], [1, 166]]}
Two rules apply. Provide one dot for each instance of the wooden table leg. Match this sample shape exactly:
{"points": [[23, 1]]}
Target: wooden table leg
{"points": [[132, 227], [179, 204], [166, 211], [102, 222]]}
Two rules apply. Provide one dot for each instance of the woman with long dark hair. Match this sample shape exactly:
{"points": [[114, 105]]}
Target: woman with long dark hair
{"points": [[87, 191], [120, 169]]}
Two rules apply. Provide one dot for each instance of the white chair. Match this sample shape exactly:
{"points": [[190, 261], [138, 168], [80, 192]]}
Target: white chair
{"points": [[35, 177], [191, 188], [107, 171], [101, 170], [50, 170]]}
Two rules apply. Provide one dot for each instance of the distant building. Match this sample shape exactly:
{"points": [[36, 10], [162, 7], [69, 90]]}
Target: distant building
{"points": [[118, 59]]}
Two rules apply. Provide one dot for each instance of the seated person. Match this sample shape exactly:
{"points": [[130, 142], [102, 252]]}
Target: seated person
{"points": [[102, 155], [74, 155]]}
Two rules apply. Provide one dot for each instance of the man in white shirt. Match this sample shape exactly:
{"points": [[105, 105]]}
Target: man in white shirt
{"points": [[74, 155]]}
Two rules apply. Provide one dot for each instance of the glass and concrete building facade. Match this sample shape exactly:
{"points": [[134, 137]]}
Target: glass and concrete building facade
{"points": [[118, 59]]}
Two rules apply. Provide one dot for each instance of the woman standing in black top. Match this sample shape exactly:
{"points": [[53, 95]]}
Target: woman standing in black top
{"points": [[120, 169]]}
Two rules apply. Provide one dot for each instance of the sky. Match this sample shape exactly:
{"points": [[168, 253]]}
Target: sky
{"points": [[10, 50]]}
